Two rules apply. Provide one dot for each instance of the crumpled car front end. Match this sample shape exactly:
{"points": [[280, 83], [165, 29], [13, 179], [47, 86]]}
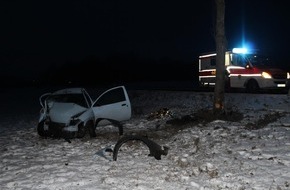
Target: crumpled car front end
{"points": [[60, 120]]}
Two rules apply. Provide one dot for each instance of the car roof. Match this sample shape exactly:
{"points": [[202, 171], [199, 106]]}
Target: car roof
{"points": [[70, 91]]}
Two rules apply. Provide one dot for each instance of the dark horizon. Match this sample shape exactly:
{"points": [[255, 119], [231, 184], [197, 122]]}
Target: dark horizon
{"points": [[127, 41]]}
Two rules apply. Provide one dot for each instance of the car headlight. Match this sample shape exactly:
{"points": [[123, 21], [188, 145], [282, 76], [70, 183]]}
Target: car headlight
{"points": [[288, 75], [266, 75], [74, 121]]}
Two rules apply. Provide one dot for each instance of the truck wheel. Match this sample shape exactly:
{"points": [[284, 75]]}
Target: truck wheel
{"points": [[252, 86], [40, 130]]}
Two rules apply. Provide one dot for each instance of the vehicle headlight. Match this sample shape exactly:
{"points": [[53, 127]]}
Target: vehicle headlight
{"points": [[266, 75], [288, 75], [74, 121]]}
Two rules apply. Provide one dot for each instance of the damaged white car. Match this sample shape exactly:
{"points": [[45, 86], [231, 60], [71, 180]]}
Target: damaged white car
{"points": [[71, 113]]}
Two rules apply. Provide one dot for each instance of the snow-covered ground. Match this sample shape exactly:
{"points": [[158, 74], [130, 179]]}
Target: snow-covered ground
{"points": [[252, 152]]}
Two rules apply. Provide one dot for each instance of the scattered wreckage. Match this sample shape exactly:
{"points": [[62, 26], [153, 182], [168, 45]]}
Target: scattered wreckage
{"points": [[160, 114], [71, 113], [155, 150]]}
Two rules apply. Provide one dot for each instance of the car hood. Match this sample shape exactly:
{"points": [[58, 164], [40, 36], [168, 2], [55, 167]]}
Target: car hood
{"points": [[62, 112], [276, 73], [269, 68]]}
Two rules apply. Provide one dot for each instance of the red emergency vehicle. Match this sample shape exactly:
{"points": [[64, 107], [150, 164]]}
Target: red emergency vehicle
{"points": [[249, 71]]}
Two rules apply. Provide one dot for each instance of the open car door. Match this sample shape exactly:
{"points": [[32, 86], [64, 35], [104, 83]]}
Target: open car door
{"points": [[113, 104]]}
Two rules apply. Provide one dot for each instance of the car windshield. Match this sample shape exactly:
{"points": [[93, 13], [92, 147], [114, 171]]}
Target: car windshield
{"points": [[68, 98], [259, 60]]}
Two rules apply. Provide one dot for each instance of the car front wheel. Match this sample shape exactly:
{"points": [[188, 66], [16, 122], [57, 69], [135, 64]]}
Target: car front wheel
{"points": [[41, 131], [91, 129], [82, 130]]}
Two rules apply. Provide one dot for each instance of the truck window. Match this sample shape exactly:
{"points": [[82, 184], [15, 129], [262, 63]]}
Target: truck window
{"points": [[260, 60], [239, 60]]}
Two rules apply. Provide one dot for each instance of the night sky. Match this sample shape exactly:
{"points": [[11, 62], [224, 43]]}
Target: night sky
{"points": [[41, 39]]}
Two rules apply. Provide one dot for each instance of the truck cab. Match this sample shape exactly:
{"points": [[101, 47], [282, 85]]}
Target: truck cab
{"points": [[250, 71]]}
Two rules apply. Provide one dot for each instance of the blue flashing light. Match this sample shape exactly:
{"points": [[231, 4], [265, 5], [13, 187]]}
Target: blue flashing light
{"points": [[240, 50]]}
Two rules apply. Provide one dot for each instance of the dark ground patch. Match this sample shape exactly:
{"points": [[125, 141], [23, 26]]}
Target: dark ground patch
{"points": [[264, 120], [205, 116], [168, 125]]}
